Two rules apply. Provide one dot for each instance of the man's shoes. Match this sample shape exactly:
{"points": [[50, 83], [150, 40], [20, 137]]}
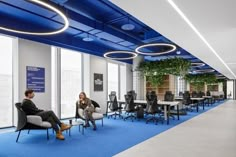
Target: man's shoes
{"points": [[65, 127], [59, 136]]}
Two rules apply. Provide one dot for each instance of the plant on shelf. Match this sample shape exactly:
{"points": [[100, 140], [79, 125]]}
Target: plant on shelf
{"points": [[155, 71]]}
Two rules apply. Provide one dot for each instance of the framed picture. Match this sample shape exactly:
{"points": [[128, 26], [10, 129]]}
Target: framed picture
{"points": [[98, 82], [35, 79]]}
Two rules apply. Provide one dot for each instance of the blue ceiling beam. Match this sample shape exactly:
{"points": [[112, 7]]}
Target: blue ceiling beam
{"points": [[101, 26]]}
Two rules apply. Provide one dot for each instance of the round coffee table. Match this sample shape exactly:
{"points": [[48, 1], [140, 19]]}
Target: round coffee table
{"points": [[79, 123]]}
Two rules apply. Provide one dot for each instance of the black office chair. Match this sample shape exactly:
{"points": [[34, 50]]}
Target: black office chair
{"points": [[208, 93], [181, 94], [153, 108], [201, 94], [187, 101], [114, 107], [132, 92], [30, 122], [169, 97], [130, 107], [194, 94]]}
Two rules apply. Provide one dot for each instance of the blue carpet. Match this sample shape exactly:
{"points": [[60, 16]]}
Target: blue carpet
{"points": [[114, 137]]}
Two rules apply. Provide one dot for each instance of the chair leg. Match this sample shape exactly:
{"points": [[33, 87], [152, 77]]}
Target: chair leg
{"points": [[18, 136], [47, 135], [28, 131]]}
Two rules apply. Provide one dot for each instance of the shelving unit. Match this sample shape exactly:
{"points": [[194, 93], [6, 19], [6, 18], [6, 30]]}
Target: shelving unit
{"points": [[214, 87], [201, 89], [167, 85]]}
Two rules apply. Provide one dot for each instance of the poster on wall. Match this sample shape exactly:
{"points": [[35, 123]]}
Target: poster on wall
{"points": [[98, 82], [35, 77]]}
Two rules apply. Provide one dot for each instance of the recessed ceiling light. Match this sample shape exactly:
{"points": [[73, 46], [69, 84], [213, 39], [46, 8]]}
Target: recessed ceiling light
{"points": [[172, 48], [177, 9], [178, 52], [128, 27], [39, 2], [87, 39]]}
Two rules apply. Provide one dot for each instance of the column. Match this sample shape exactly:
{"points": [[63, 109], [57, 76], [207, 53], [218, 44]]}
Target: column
{"points": [[138, 78]]}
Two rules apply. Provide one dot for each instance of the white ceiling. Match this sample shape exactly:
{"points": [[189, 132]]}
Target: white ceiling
{"points": [[214, 19]]}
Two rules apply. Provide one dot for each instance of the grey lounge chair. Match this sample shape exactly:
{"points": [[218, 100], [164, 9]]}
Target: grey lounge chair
{"points": [[30, 122]]}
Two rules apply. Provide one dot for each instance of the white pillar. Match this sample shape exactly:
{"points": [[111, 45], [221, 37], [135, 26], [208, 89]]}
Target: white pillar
{"points": [[138, 78]]}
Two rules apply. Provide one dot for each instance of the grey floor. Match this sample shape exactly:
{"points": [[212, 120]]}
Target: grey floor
{"points": [[211, 134]]}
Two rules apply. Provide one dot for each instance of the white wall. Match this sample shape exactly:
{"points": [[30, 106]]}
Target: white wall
{"points": [[39, 55], [98, 65], [129, 77]]}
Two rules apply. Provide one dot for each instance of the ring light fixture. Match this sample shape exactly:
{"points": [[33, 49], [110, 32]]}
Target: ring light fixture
{"points": [[205, 71], [173, 48], [39, 2], [197, 64], [133, 55]]}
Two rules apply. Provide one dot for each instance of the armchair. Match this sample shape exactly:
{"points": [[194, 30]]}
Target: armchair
{"points": [[97, 115], [30, 122]]}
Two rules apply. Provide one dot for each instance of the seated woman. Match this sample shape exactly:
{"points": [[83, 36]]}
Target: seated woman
{"points": [[88, 108]]}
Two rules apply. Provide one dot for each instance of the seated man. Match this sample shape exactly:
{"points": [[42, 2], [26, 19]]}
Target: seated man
{"points": [[30, 109]]}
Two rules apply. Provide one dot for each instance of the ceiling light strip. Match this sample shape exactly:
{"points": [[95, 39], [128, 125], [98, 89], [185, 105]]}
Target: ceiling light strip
{"points": [[66, 22], [199, 34]]}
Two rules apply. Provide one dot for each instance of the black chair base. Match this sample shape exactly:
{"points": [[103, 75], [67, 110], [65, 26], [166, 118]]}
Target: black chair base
{"points": [[155, 119], [114, 115], [130, 116]]}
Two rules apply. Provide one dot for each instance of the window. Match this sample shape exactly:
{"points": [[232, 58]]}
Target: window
{"points": [[180, 85], [70, 81], [6, 111], [113, 79]]}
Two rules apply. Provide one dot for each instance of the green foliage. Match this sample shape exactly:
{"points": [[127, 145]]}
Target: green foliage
{"points": [[199, 80], [204, 78], [155, 71]]}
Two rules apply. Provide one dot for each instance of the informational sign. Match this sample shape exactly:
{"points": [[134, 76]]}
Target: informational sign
{"points": [[35, 79]]}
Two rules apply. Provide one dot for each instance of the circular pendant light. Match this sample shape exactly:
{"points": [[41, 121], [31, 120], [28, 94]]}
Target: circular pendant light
{"points": [[195, 64], [109, 54], [205, 71], [43, 4], [171, 46]]}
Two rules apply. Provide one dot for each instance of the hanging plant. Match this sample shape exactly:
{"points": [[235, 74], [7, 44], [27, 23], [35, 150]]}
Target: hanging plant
{"points": [[155, 71], [205, 78], [198, 81]]}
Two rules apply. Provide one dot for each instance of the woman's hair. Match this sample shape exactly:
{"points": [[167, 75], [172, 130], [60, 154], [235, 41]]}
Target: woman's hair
{"points": [[83, 94]]}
